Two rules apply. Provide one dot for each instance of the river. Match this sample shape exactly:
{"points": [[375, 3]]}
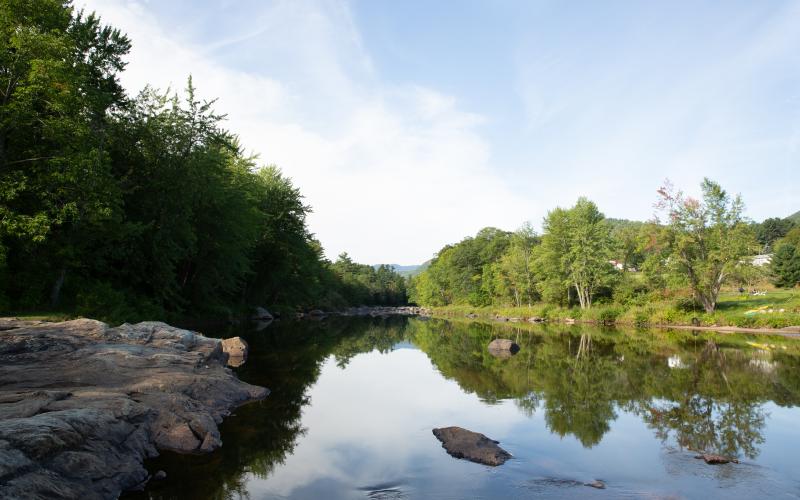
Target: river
{"points": [[354, 401]]}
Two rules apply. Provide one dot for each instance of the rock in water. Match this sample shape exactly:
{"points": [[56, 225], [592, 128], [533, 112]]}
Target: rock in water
{"points": [[83, 404], [475, 447], [236, 349], [503, 346], [712, 459], [598, 484]]}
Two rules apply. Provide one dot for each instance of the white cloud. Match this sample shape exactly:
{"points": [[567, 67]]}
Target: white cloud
{"points": [[393, 172]]}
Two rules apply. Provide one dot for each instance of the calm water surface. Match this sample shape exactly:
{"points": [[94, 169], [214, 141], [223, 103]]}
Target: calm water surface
{"points": [[353, 403]]}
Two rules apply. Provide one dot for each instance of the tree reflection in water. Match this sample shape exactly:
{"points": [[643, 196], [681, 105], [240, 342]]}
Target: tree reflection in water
{"points": [[709, 397], [712, 415], [580, 377]]}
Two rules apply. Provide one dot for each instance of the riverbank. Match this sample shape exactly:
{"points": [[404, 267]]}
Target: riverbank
{"points": [[734, 316], [82, 405]]}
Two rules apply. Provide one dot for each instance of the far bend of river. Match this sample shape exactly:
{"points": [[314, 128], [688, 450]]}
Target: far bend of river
{"points": [[354, 401]]}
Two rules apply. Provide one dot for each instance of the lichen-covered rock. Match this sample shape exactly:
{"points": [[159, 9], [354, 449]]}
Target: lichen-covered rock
{"points": [[83, 404], [473, 446]]}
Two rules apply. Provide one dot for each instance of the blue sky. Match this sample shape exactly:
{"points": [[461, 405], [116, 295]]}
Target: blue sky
{"points": [[409, 125]]}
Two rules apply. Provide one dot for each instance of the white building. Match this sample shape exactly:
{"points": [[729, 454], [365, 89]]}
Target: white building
{"points": [[761, 260]]}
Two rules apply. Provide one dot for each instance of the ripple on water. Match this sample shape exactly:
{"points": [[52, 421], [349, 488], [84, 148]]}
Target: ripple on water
{"points": [[385, 491]]}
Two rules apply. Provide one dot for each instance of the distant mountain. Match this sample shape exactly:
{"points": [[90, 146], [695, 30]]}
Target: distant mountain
{"points": [[407, 271], [795, 217]]}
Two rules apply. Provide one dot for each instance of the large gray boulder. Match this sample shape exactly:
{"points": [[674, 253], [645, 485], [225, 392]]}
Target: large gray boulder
{"points": [[82, 404], [473, 446]]}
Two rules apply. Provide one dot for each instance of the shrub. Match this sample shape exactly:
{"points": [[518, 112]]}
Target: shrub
{"points": [[686, 304], [641, 317], [608, 315], [112, 305]]}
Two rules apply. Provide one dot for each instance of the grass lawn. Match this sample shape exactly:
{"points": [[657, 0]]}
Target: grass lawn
{"points": [[735, 302]]}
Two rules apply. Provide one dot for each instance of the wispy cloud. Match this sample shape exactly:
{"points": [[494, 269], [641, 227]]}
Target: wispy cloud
{"points": [[630, 102], [606, 102], [393, 171]]}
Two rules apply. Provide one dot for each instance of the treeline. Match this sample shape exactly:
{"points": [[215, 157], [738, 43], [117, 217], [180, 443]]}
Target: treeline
{"points": [[121, 206], [582, 257]]}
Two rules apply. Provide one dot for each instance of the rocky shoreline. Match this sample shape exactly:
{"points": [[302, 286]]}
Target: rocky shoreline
{"points": [[82, 405], [373, 311]]}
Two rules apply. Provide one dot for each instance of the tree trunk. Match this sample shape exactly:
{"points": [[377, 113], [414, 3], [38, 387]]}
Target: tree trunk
{"points": [[581, 295]]}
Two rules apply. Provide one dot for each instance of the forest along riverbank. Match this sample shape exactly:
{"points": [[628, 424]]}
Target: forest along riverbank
{"points": [[83, 404]]}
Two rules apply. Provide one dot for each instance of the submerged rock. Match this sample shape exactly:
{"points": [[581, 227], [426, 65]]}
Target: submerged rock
{"points": [[598, 484], [475, 447], [83, 404], [713, 459], [261, 314]]}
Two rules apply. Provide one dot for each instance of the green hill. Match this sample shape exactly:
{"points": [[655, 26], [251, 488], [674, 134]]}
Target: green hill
{"points": [[408, 271], [795, 217]]}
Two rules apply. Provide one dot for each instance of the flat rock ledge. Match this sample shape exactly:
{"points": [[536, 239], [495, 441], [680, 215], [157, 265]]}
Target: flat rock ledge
{"points": [[82, 405], [475, 447]]}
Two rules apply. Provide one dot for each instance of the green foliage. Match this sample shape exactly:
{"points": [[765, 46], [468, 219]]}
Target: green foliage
{"points": [[107, 303], [707, 238], [785, 265], [575, 252], [608, 315], [772, 230], [118, 206], [470, 272], [361, 284]]}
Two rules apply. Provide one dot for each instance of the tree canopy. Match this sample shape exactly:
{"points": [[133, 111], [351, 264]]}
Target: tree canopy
{"points": [[123, 206]]}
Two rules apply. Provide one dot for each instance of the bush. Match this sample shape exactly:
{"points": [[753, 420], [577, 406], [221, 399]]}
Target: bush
{"points": [[112, 305], [687, 304], [641, 317], [608, 315]]}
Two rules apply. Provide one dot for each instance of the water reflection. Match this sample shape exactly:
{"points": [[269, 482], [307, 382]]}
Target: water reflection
{"points": [[341, 424]]}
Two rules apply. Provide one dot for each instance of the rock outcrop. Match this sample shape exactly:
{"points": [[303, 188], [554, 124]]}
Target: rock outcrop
{"points": [[82, 404], [475, 447]]}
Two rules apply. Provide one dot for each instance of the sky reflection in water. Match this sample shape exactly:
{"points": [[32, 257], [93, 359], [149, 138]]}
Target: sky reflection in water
{"points": [[354, 403]]}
